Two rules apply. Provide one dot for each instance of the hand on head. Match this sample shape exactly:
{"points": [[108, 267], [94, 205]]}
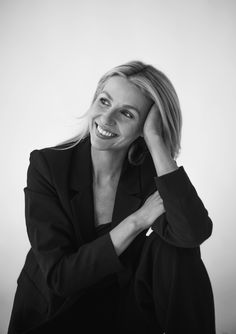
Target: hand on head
{"points": [[153, 123]]}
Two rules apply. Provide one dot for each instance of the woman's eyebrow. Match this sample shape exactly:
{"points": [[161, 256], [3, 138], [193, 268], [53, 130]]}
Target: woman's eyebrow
{"points": [[125, 105]]}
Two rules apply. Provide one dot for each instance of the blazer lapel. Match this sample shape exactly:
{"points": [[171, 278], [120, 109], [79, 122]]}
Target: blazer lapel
{"points": [[82, 192]]}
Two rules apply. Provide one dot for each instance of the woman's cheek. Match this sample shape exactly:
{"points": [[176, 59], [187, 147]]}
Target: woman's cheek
{"points": [[139, 127], [98, 109], [94, 111], [134, 132]]}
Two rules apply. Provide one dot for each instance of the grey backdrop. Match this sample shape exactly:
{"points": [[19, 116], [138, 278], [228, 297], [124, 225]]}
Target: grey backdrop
{"points": [[52, 55]]}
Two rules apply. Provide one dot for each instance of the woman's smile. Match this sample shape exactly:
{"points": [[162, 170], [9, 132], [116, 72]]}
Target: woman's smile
{"points": [[104, 133]]}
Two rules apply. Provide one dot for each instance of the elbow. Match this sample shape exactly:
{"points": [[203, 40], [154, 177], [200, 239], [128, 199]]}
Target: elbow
{"points": [[200, 234], [197, 234], [199, 226], [189, 232], [205, 231]]}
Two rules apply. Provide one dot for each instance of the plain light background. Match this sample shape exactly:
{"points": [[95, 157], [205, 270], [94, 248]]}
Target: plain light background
{"points": [[52, 54]]}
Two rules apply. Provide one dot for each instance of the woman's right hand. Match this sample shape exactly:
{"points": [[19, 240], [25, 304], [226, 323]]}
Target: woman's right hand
{"points": [[149, 211], [125, 232]]}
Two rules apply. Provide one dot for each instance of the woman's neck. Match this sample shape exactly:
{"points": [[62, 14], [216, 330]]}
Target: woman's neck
{"points": [[107, 165]]}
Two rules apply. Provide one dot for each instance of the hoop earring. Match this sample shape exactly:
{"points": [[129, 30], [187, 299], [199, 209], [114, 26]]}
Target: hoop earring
{"points": [[137, 152]]}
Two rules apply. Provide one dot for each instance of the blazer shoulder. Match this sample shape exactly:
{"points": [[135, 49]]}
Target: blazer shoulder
{"points": [[51, 165], [55, 157], [53, 153]]}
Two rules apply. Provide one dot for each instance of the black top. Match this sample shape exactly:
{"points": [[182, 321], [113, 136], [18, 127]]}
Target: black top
{"points": [[102, 229]]}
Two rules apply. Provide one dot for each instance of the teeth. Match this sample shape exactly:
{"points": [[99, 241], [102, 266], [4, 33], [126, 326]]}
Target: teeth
{"points": [[105, 133]]}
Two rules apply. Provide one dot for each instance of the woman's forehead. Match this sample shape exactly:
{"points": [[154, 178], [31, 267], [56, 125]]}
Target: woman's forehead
{"points": [[122, 90]]}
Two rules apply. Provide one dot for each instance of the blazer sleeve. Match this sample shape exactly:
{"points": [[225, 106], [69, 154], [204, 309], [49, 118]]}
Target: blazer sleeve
{"points": [[186, 222], [67, 267]]}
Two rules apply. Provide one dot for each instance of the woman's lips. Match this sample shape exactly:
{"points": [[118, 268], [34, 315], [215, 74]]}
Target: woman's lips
{"points": [[104, 133]]}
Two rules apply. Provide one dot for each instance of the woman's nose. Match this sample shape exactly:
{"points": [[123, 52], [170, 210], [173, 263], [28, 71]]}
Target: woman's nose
{"points": [[108, 118]]}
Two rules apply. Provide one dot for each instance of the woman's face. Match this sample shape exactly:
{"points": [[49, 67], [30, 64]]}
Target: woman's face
{"points": [[117, 116]]}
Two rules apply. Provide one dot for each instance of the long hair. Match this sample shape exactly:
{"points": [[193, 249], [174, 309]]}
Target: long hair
{"points": [[155, 85]]}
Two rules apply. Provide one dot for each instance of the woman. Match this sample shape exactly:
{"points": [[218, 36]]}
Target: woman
{"points": [[90, 202]]}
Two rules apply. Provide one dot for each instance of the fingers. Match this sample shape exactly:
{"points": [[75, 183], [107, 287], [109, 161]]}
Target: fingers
{"points": [[151, 209], [153, 201]]}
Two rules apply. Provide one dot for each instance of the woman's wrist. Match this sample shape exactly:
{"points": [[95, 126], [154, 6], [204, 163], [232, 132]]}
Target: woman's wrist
{"points": [[136, 220], [124, 233], [161, 155], [153, 140]]}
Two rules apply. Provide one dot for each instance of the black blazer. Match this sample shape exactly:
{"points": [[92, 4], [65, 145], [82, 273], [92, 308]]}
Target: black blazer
{"points": [[73, 279]]}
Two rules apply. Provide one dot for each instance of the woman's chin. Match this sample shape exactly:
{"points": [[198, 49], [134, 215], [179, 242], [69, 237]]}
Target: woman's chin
{"points": [[100, 144], [107, 145]]}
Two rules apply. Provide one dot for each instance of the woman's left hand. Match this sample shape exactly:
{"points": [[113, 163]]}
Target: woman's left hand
{"points": [[153, 124], [153, 136]]}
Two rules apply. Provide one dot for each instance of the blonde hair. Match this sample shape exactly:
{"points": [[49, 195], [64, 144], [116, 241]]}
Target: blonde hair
{"points": [[155, 85]]}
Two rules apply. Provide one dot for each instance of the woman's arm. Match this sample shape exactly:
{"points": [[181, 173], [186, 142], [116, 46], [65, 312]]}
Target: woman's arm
{"points": [[161, 156], [125, 232], [186, 222]]}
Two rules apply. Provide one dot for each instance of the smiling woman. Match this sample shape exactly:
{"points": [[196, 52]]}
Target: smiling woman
{"points": [[117, 117], [89, 203], [152, 85]]}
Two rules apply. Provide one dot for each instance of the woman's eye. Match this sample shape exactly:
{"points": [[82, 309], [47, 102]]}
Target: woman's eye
{"points": [[127, 114], [104, 101]]}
